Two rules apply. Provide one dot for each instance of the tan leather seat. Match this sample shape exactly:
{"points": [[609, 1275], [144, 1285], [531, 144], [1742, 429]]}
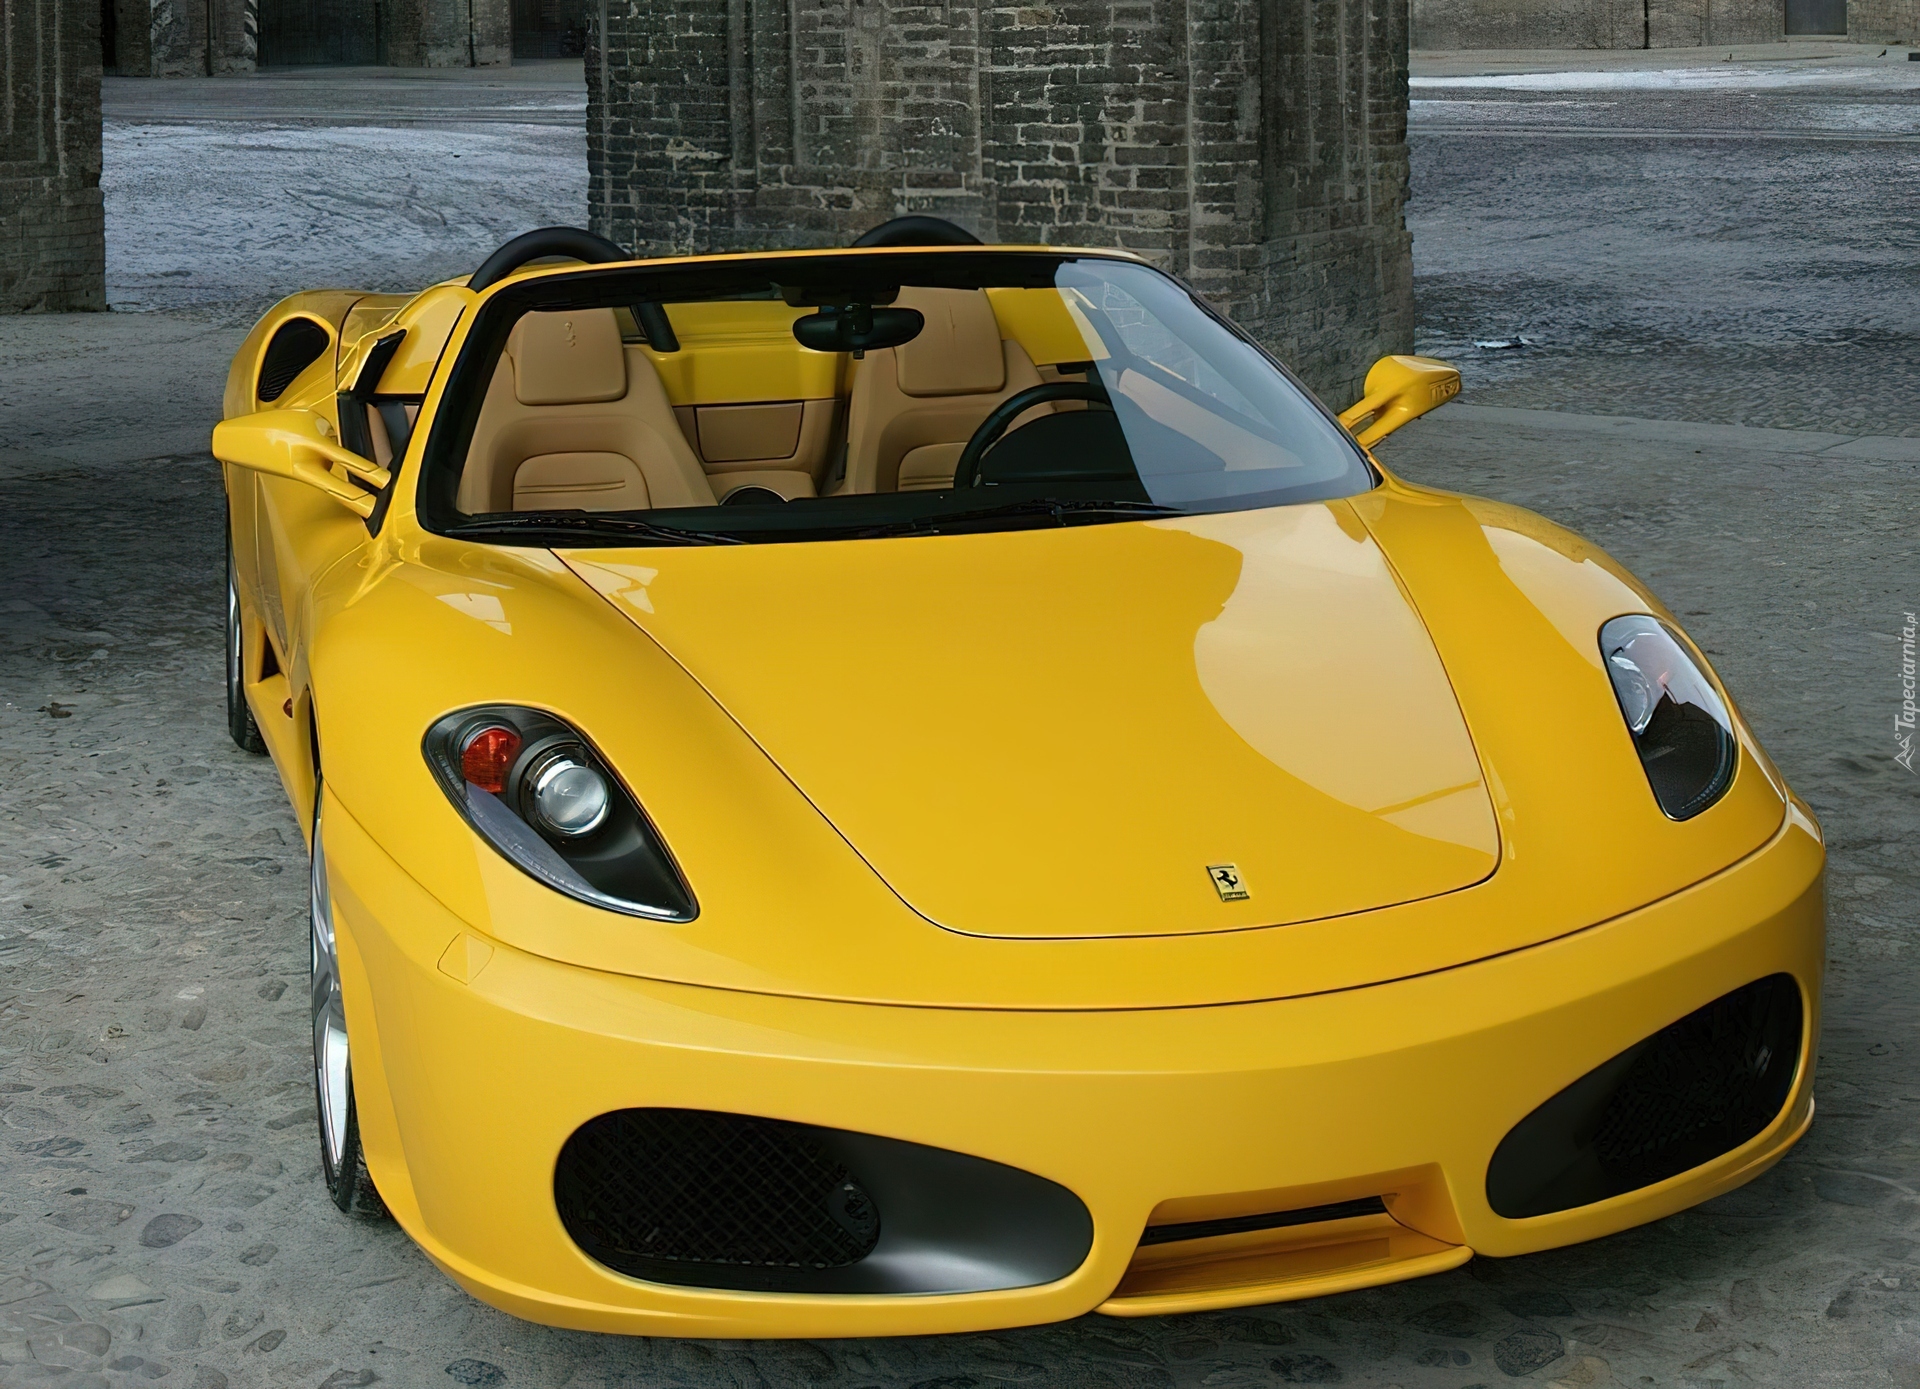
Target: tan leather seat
{"points": [[915, 406], [575, 420]]}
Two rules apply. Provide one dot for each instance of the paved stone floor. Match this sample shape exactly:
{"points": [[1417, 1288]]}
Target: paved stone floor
{"points": [[225, 194], [1734, 242], [161, 1219]]}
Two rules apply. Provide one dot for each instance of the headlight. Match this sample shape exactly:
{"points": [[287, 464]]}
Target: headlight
{"points": [[1678, 721], [567, 797], [534, 789]]}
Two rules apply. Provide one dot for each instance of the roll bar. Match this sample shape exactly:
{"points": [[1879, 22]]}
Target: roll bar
{"points": [[537, 245]]}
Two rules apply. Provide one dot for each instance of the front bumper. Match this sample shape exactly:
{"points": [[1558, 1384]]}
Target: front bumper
{"points": [[474, 1062]]}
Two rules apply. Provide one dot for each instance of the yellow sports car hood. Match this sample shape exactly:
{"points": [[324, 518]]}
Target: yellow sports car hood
{"points": [[1194, 725]]}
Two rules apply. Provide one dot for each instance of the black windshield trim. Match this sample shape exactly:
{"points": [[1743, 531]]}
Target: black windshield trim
{"points": [[630, 527]]}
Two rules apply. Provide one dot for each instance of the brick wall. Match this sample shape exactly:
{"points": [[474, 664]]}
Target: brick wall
{"points": [[1883, 21], [52, 237], [1452, 24], [1255, 147], [1444, 24], [1704, 23]]}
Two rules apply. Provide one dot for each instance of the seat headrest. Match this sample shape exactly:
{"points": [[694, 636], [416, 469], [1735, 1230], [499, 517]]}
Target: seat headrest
{"points": [[569, 358], [958, 352]]}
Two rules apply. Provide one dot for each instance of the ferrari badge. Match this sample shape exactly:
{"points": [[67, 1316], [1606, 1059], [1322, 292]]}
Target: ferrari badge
{"points": [[1228, 882]]}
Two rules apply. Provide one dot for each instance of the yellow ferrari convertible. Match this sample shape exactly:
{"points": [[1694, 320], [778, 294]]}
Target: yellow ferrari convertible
{"points": [[932, 786]]}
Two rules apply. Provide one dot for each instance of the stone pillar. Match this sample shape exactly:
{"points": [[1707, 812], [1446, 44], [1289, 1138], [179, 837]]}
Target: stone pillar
{"points": [[52, 234], [186, 38], [191, 38], [449, 33], [1257, 148]]}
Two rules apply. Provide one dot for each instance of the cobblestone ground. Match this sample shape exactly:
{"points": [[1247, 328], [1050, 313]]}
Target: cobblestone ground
{"points": [[161, 1217], [1738, 247]]}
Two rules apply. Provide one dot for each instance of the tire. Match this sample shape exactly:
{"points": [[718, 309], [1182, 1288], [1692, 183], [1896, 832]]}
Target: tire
{"points": [[342, 1164], [240, 724]]}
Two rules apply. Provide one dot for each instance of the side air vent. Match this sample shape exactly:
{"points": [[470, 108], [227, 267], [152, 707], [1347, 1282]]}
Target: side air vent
{"points": [[1694, 1090], [297, 345], [712, 1200]]}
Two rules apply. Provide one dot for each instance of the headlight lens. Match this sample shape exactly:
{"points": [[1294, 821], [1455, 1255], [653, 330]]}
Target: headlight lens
{"points": [[534, 789], [567, 797], [1679, 723]]}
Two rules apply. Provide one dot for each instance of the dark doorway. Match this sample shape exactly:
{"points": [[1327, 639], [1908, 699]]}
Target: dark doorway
{"points": [[549, 28], [109, 37], [298, 33], [1817, 16]]}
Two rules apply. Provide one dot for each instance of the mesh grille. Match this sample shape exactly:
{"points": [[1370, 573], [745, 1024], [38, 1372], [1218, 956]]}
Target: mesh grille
{"points": [[1706, 1084], [642, 1186], [1697, 1088]]}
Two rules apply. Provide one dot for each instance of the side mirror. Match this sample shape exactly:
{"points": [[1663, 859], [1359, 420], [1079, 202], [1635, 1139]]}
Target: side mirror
{"points": [[299, 444], [1399, 390]]}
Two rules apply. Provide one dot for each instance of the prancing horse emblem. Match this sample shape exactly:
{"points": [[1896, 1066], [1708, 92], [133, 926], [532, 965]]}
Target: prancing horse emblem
{"points": [[1228, 882]]}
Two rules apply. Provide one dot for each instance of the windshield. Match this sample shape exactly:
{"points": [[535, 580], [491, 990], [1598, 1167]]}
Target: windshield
{"points": [[834, 397]]}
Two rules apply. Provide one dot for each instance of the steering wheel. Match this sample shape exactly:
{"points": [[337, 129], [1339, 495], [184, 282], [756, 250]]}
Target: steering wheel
{"points": [[966, 473]]}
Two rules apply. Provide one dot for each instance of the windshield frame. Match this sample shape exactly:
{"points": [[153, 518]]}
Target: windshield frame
{"points": [[668, 282]]}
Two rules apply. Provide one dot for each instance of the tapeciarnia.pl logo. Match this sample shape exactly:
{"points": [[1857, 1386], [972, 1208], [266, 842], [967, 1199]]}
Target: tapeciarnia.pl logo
{"points": [[1903, 721]]}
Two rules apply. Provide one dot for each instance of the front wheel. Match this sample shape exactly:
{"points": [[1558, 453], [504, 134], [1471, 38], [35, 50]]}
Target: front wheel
{"points": [[341, 1162], [240, 724]]}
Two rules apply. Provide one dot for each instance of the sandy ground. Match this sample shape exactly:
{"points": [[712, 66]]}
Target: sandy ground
{"points": [[161, 1218]]}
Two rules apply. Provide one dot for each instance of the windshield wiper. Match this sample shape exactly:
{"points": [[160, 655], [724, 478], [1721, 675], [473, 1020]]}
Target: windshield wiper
{"points": [[1058, 509], [536, 523]]}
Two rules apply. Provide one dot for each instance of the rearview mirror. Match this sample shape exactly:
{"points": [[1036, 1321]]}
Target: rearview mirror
{"points": [[857, 328], [298, 444], [1399, 390]]}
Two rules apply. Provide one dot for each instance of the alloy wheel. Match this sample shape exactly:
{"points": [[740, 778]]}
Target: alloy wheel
{"points": [[331, 1081], [234, 691], [240, 723]]}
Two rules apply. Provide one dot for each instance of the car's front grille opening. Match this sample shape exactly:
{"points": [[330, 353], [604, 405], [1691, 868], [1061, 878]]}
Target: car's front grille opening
{"points": [[1292, 1252], [708, 1199], [1268, 1220], [1698, 1088], [638, 1187]]}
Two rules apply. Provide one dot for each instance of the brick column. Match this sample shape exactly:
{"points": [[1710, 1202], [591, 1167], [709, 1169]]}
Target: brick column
{"points": [[1255, 147], [52, 234]]}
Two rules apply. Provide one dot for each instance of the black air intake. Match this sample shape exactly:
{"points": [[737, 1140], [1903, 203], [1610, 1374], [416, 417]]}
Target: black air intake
{"points": [[693, 1186], [1694, 1090], [296, 345], [713, 1200]]}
